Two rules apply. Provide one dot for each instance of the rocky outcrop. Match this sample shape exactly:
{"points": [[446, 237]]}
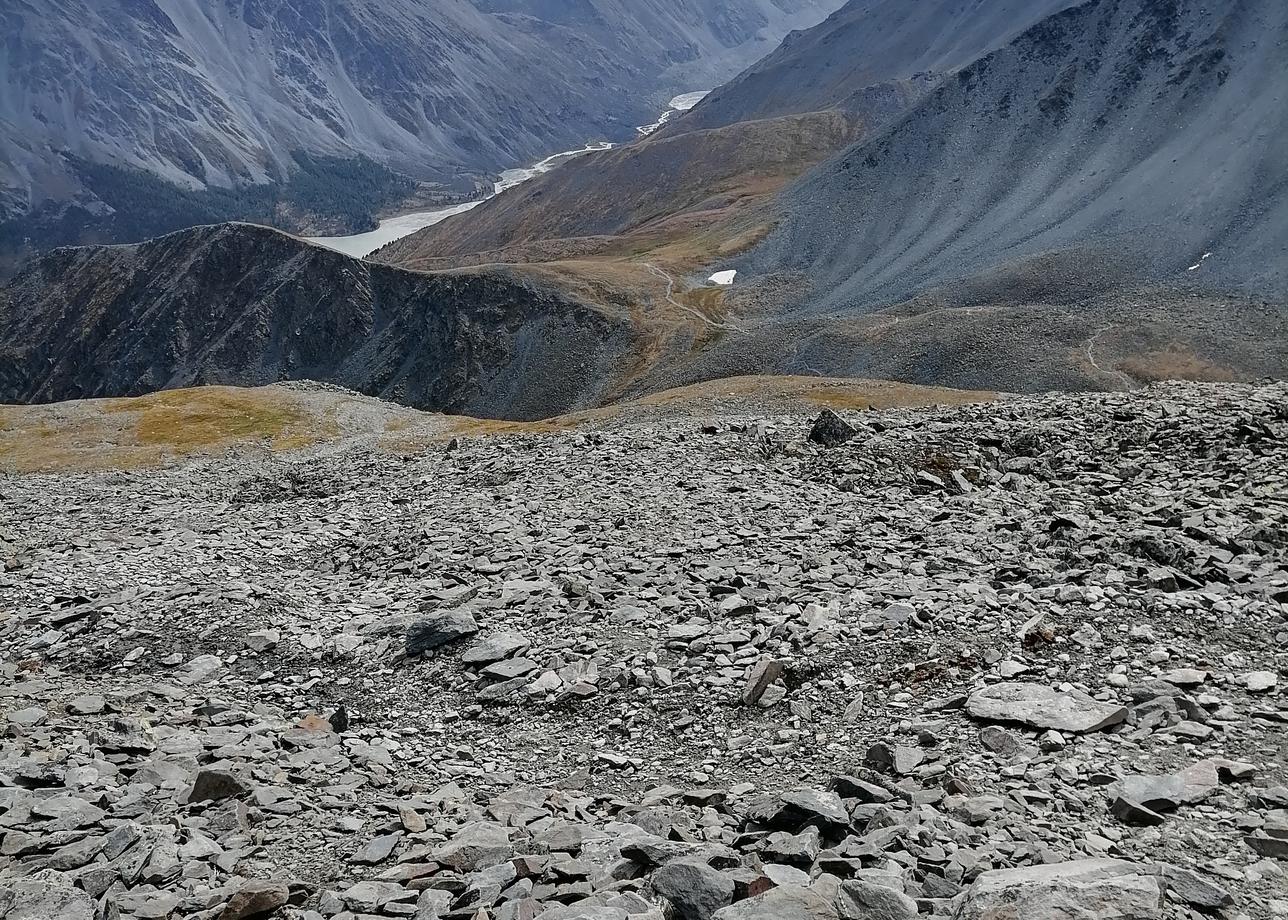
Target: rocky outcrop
{"points": [[246, 305]]}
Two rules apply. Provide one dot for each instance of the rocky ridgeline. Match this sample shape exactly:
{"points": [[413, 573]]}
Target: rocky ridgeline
{"points": [[1020, 660]]}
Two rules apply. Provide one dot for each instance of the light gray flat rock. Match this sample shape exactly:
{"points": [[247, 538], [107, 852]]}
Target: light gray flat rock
{"points": [[1038, 706]]}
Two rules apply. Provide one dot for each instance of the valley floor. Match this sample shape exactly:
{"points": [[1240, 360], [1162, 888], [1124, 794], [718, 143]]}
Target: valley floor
{"points": [[677, 654]]}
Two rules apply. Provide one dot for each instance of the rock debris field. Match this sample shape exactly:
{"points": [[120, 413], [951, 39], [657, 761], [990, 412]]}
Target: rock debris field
{"points": [[1013, 660]]}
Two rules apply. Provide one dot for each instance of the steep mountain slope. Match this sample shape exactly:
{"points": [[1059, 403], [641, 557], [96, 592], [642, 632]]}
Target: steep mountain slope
{"points": [[224, 93], [1039, 221], [247, 305], [1120, 141], [863, 67], [859, 57]]}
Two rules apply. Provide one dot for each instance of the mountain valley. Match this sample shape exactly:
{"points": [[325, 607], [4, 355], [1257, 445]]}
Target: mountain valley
{"points": [[857, 493], [902, 255], [192, 100]]}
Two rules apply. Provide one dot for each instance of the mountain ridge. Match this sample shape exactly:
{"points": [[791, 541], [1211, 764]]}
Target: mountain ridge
{"points": [[226, 94], [248, 305], [1039, 220]]}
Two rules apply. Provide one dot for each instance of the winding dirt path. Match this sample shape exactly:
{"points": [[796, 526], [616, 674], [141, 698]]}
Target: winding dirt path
{"points": [[670, 298], [1091, 358]]}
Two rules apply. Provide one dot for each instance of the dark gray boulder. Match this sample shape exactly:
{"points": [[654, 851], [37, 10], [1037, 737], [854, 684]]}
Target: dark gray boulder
{"points": [[696, 891], [830, 430], [438, 628]]}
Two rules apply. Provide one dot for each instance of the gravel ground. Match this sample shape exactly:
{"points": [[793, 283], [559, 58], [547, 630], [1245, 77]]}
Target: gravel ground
{"points": [[668, 664]]}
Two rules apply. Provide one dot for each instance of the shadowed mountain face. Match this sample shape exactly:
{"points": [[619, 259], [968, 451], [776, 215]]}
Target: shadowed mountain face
{"points": [[1127, 142], [245, 305], [226, 92]]}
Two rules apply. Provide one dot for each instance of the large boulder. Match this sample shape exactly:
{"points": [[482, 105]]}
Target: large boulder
{"points": [[830, 430], [860, 899], [1085, 889], [694, 889], [217, 785], [1038, 706], [476, 846], [44, 896], [438, 628], [255, 898], [800, 808], [1168, 791], [782, 904]]}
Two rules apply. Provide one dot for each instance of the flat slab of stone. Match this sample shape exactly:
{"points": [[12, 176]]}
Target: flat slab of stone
{"points": [[1038, 706], [1169, 791], [438, 628], [782, 904], [44, 896], [495, 647], [1081, 888]]}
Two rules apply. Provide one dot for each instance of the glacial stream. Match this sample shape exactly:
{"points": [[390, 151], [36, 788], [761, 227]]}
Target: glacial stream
{"points": [[393, 228]]}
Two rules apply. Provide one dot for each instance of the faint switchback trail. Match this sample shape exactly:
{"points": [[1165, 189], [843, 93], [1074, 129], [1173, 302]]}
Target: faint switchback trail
{"points": [[1091, 358], [670, 298]]}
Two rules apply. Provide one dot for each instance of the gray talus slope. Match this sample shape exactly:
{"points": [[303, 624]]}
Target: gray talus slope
{"points": [[859, 55], [246, 305], [1120, 140]]}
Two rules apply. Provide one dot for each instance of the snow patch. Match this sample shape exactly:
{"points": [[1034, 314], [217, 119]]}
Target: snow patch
{"points": [[724, 278], [686, 101], [1199, 264]]}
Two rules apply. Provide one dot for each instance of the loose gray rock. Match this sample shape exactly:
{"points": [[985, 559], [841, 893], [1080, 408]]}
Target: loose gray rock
{"points": [[217, 785], [782, 904], [694, 889], [861, 899], [830, 430], [44, 896], [1082, 888], [255, 899], [763, 674], [439, 628], [1167, 792], [495, 647], [1038, 706]]}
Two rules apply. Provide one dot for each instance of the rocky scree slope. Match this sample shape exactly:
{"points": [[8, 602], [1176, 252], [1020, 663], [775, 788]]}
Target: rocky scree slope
{"points": [[246, 305], [1124, 142], [1026, 656], [868, 57]]}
